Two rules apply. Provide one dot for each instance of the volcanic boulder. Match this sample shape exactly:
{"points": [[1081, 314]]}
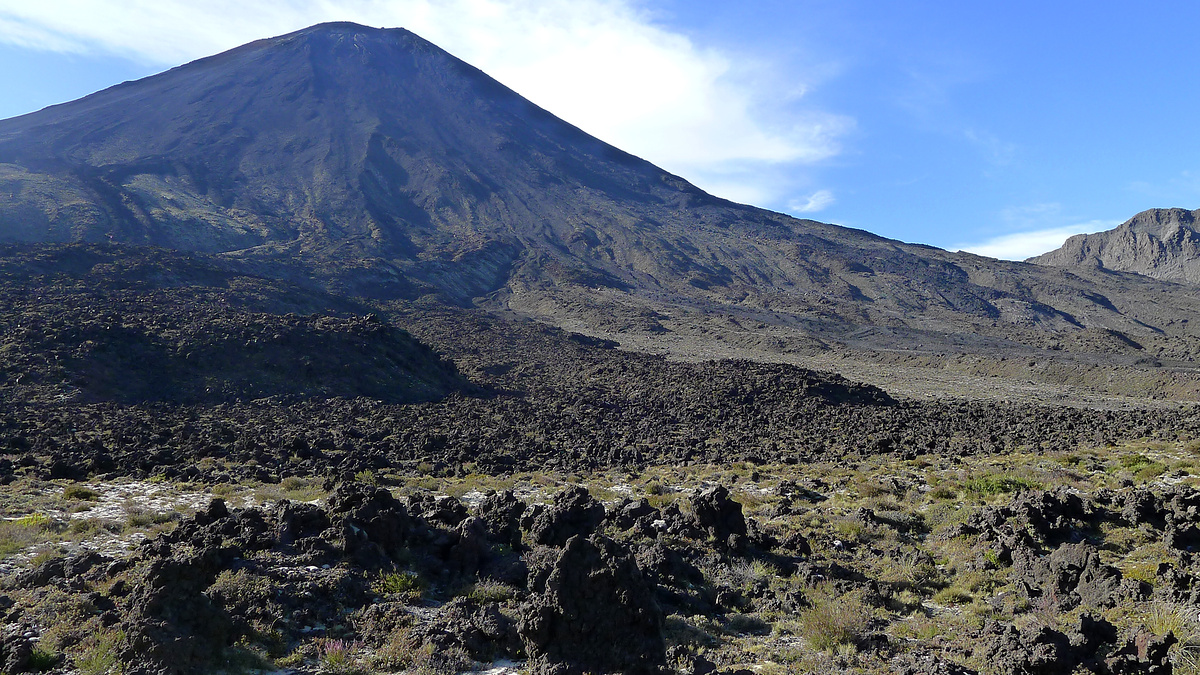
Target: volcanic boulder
{"points": [[592, 611], [575, 512], [721, 517], [1072, 575]]}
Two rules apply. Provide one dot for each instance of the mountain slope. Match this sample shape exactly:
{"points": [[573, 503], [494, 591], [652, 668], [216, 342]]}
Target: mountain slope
{"points": [[378, 164], [1159, 243]]}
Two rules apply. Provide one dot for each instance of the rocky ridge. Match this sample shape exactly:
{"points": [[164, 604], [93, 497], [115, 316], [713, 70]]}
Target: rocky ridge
{"points": [[1159, 243]]}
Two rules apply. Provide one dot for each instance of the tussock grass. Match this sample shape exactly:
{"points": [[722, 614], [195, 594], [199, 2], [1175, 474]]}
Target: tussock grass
{"points": [[834, 619]]}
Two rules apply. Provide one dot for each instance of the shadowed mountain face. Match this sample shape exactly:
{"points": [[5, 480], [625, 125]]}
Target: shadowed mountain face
{"points": [[1159, 243], [379, 165]]}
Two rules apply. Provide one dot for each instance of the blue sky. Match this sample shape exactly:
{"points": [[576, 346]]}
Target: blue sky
{"points": [[1000, 127]]}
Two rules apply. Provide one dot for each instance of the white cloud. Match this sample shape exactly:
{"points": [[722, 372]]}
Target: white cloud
{"points": [[607, 66], [1022, 245], [817, 201]]}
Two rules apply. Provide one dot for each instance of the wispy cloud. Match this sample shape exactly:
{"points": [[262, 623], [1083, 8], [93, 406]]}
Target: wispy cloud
{"points": [[817, 201], [607, 66], [1022, 245], [1180, 190], [998, 152]]}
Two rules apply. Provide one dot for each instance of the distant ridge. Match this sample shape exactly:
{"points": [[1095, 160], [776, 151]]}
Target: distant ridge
{"points": [[1159, 243]]}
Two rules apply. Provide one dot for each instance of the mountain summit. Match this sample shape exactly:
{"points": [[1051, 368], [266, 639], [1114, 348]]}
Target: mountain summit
{"points": [[339, 144], [1159, 243], [377, 164]]}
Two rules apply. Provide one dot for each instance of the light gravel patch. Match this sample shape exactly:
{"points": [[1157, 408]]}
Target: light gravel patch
{"points": [[117, 500]]}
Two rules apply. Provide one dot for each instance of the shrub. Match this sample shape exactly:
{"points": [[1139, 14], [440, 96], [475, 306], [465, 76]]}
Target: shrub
{"points": [[943, 491], [952, 596], [19, 534], [99, 655], [406, 583], [140, 518], [240, 588], [41, 660], [748, 624], [224, 490], [834, 620]]}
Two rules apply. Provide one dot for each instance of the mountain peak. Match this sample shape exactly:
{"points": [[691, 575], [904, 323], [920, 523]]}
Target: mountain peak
{"points": [[336, 144], [1159, 243]]}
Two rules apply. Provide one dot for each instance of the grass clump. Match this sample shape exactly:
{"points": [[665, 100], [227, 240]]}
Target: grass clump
{"points": [[952, 596], [834, 620], [99, 655], [398, 583], [144, 519], [80, 493], [491, 592], [1180, 620], [337, 656], [943, 492], [1142, 467], [41, 660], [21, 533]]}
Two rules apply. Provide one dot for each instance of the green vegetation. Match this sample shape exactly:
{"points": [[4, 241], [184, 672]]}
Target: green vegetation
{"points": [[41, 660], [834, 620], [21, 533], [80, 493], [98, 655], [992, 485], [398, 583]]}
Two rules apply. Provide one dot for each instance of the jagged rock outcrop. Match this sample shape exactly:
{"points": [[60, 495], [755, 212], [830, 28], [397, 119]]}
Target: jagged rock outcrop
{"points": [[574, 512], [1159, 243], [592, 611], [721, 517]]}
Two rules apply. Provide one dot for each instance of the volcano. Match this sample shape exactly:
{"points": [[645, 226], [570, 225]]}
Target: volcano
{"points": [[371, 163]]}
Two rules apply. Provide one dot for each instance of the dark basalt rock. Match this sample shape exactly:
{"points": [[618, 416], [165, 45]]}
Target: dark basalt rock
{"points": [[638, 516], [374, 526], [1040, 650], [676, 523], [690, 664], [574, 513], [1032, 519], [721, 517], [178, 620], [442, 510], [483, 632], [796, 543], [1072, 575], [40, 575], [172, 627], [501, 513], [592, 611], [297, 522], [1140, 507], [15, 652], [1143, 654]]}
